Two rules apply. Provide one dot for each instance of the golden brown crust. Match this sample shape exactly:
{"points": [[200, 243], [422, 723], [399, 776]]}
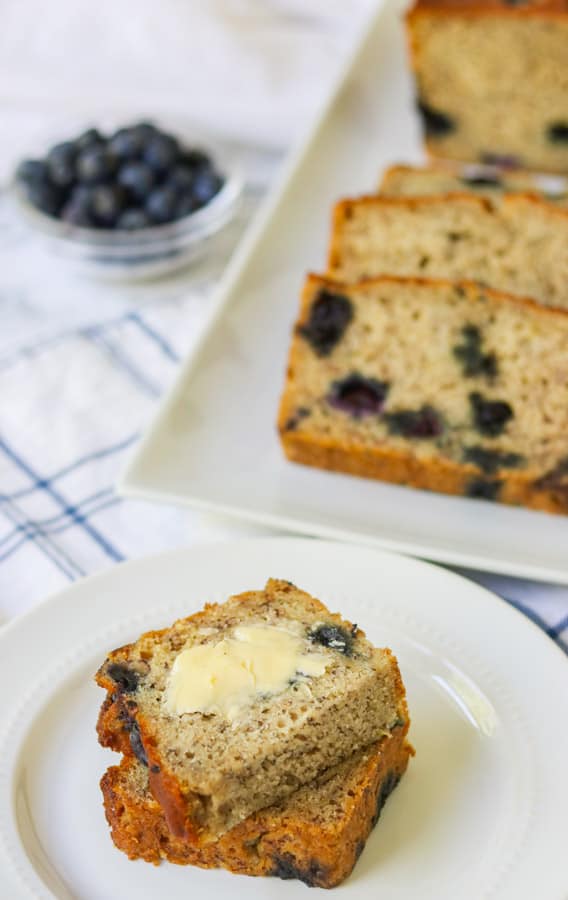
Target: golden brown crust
{"points": [[343, 211], [531, 9], [442, 476], [277, 841], [400, 466]]}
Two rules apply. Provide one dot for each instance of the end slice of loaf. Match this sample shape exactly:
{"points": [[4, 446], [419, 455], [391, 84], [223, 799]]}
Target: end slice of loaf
{"points": [[425, 181], [519, 245], [209, 774], [435, 385], [316, 835], [492, 80]]}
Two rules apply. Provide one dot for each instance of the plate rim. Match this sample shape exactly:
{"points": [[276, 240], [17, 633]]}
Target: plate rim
{"points": [[131, 488], [19, 628]]}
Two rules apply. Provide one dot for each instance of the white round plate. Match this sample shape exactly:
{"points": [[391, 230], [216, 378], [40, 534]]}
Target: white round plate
{"points": [[480, 813]]}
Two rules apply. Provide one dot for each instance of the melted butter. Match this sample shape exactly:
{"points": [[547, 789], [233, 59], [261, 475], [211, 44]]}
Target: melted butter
{"points": [[227, 676]]}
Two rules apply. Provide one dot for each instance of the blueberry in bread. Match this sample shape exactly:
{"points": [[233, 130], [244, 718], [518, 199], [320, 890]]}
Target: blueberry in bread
{"points": [[316, 835], [458, 237], [421, 181], [235, 708], [492, 80], [444, 386]]}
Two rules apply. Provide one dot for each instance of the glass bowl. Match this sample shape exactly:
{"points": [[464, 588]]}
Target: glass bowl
{"points": [[140, 254]]}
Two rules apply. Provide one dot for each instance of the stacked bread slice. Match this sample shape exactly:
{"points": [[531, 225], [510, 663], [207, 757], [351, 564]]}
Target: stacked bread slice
{"points": [[434, 352], [286, 783]]}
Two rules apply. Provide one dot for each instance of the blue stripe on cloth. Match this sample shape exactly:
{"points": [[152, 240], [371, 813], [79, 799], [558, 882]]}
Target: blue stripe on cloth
{"points": [[55, 554], [61, 473], [25, 467], [30, 350], [139, 378], [158, 339], [47, 525], [31, 535], [551, 631]]}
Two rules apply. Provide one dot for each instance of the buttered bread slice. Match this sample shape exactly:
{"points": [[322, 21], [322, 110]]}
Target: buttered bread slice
{"points": [[519, 245], [235, 708]]}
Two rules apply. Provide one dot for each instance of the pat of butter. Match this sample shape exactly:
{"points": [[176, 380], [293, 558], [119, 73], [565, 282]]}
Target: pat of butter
{"points": [[226, 676]]}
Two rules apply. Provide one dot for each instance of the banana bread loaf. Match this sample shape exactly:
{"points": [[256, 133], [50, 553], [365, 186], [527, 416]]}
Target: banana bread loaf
{"points": [[492, 80], [316, 835], [421, 181], [435, 385], [519, 245], [245, 741]]}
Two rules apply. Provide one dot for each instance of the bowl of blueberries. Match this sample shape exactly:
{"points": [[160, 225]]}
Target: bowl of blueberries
{"points": [[134, 203]]}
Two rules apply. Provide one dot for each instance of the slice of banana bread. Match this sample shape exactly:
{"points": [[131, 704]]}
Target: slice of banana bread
{"points": [[519, 245], [436, 385], [422, 181], [492, 80], [212, 765], [316, 835]]}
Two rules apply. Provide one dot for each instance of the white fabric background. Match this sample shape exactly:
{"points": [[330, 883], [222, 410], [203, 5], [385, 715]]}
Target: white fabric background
{"points": [[251, 69]]}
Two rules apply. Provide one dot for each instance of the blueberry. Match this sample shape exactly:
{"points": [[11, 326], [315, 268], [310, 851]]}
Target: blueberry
{"points": [[504, 160], [206, 185], [435, 123], [490, 461], [185, 203], [107, 203], [132, 219], [557, 133], [482, 181], [88, 139], [388, 785], [77, 210], [145, 130], [125, 678], [61, 164], [333, 636], [482, 489], [490, 416], [31, 170], [76, 215], [358, 395], [330, 314], [44, 196], [292, 423], [181, 177], [127, 143], [136, 742], [286, 867], [421, 423], [556, 479], [161, 152], [469, 354], [161, 204], [137, 178], [95, 164], [196, 159]]}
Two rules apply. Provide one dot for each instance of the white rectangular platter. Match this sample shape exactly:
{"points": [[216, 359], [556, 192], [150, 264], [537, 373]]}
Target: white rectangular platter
{"points": [[214, 444]]}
